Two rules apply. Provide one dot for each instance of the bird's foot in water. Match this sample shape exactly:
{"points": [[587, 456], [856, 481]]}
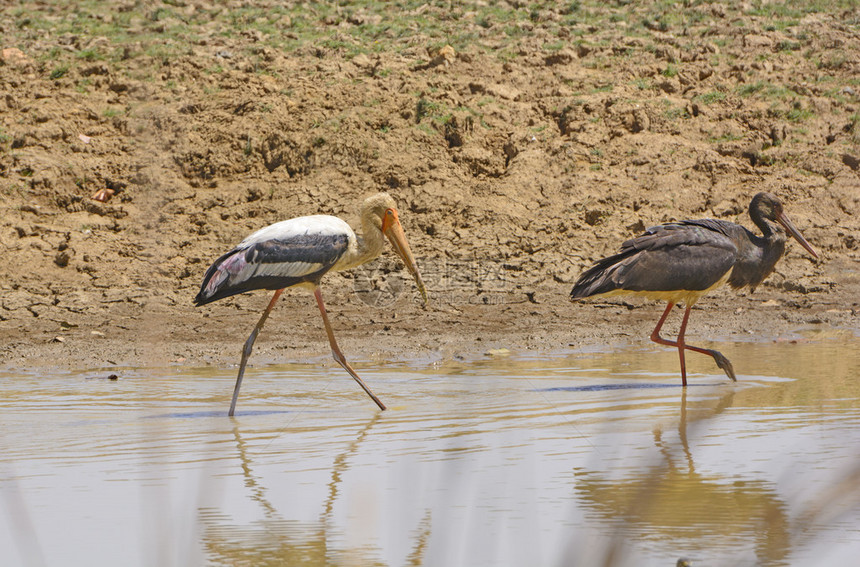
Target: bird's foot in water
{"points": [[724, 363]]}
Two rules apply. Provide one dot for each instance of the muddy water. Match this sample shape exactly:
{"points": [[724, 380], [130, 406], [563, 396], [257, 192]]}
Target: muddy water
{"points": [[576, 458]]}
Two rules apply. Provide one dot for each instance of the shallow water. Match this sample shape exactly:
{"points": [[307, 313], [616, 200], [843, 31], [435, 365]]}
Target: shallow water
{"points": [[578, 458]]}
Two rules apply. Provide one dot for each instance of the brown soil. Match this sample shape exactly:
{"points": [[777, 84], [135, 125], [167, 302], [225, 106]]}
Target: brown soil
{"points": [[514, 166]]}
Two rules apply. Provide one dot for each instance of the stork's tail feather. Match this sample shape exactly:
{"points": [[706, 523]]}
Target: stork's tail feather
{"points": [[216, 281], [231, 275], [600, 278], [202, 299]]}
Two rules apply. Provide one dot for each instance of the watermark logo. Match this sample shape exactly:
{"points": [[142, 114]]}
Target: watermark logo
{"points": [[474, 281], [380, 283]]}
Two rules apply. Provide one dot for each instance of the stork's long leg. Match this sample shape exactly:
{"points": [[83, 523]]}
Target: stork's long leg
{"points": [[680, 343], [718, 357], [335, 350], [249, 345], [655, 334]]}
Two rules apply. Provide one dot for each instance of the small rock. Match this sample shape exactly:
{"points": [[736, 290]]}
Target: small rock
{"points": [[111, 377], [62, 258], [641, 121], [447, 53], [503, 91], [457, 129], [98, 42], [444, 56], [667, 53], [593, 217], [851, 161], [696, 109], [361, 60], [97, 69], [562, 57], [777, 134], [58, 340], [752, 153], [669, 86], [753, 41], [103, 195], [14, 57]]}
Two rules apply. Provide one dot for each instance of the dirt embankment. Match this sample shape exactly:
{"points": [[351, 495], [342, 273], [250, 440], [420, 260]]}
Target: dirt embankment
{"points": [[521, 148]]}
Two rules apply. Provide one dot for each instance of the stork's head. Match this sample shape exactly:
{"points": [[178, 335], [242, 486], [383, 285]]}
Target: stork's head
{"points": [[767, 207], [381, 211]]}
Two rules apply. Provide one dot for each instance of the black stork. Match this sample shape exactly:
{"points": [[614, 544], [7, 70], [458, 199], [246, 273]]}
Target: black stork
{"points": [[682, 261], [297, 253]]}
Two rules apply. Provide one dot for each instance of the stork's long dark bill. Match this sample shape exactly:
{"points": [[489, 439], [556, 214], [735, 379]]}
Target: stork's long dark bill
{"points": [[792, 230], [394, 233]]}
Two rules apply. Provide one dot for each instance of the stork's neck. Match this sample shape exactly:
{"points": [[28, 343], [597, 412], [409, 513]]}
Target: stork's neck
{"points": [[764, 222], [773, 234], [758, 255], [370, 241]]}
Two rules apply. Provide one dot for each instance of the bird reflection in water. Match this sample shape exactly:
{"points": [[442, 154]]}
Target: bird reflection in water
{"points": [[671, 502], [278, 541]]}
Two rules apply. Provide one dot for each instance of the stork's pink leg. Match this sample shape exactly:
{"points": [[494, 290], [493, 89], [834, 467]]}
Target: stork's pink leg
{"points": [[680, 343], [249, 345], [718, 357], [655, 334], [335, 350]]}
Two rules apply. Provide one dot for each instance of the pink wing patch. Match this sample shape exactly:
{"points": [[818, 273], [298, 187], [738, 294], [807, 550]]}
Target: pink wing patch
{"points": [[232, 266]]}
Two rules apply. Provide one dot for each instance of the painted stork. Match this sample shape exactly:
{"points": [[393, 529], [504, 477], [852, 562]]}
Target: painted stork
{"points": [[682, 261], [299, 252]]}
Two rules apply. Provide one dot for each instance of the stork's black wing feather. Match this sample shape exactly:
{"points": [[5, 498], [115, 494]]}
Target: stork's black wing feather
{"points": [[322, 249], [687, 255], [271, 264]]}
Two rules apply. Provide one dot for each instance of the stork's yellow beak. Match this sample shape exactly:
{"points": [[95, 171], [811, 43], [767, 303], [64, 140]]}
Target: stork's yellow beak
{"points": [[792, 230], [392, 229]]}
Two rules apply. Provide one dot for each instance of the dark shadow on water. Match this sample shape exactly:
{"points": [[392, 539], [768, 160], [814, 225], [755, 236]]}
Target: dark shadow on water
{"points": [[606, 387], [196, 414]]}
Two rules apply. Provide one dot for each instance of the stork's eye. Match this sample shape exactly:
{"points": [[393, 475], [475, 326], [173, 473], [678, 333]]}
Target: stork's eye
{"points": [[388, 219]]}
